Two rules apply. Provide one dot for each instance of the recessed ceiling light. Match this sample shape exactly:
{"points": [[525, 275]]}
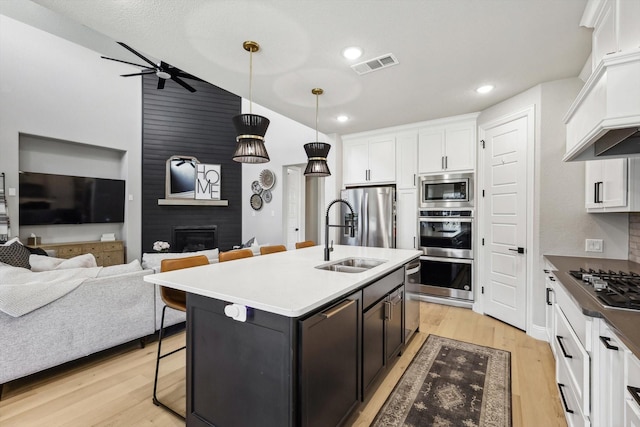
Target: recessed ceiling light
{"points": [[485, 89], [353, 52], [342, 118]]}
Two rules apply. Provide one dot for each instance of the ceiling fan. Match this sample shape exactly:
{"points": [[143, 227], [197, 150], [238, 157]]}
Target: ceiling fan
{"points": [[163, 70]]}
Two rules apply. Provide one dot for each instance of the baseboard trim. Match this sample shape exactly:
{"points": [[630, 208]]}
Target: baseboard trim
{"points": [[538, 332]]}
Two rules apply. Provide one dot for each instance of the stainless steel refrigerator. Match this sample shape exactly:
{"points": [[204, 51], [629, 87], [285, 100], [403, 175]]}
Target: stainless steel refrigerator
{"points": [[376, 221]]}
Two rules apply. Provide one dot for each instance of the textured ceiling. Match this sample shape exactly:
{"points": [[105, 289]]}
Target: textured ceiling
{"points": [[445, 49]]}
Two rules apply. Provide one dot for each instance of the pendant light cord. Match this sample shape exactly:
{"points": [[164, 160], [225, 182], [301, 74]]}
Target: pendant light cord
{"points": [[250, 81], [317, 116]]}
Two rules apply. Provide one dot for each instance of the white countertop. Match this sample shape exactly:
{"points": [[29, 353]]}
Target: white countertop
{"points": [[284, 283]]}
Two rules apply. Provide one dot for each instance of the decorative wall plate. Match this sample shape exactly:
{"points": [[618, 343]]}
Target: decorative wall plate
{"points": [[256, 188], [266, 195], [256, 202], [267, 179]]}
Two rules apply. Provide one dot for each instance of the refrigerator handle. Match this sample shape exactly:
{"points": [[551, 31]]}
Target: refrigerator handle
{"points": [[364, 215]]}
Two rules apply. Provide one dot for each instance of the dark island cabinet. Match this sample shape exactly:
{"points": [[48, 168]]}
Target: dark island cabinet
{"points": [[330, 363], [382, 326], [273, 370]]}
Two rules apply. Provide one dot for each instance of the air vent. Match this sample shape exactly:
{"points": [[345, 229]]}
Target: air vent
{"points": [[375, 64]]}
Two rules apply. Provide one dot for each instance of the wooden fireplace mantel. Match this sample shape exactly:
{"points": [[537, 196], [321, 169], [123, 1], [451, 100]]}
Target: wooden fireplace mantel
{"points": [[192, 202]]}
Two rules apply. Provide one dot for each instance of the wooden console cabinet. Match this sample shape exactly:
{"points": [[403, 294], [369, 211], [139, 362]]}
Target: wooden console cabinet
{"points": [[106, 253]]}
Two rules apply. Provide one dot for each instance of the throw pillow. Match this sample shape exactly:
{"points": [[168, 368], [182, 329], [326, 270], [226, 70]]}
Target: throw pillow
{"points": [[36, 251], [15, 255], [44, 263], [113, 270], [80, 261]]}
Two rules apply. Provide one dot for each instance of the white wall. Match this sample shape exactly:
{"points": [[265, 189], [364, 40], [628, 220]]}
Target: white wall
{"points": [[56, 89], [284, 141]]}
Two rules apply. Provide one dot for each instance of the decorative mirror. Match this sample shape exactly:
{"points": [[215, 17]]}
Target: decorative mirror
{"points": [[180, 177]]}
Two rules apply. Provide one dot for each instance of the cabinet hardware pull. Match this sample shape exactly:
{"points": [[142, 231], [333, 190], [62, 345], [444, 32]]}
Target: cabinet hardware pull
{"points": [[337, 309], [564, 352], [605, 341], [446, 162], [595, 192], [553, 279], [635, 393], [546, 271], [442, 162], [549, 290], [564, 400], [387, 310]]}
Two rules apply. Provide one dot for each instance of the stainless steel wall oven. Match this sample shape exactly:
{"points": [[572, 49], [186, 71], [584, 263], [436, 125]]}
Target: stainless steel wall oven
{"points": [[446, 240]]}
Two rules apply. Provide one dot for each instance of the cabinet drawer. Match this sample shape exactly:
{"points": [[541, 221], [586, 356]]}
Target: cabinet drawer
{"points": [[112, 246], [377, 290], [569, 401], [91, 248], [633, 370], [578, 322], [68, 251], [571, 353], [631, 413]]}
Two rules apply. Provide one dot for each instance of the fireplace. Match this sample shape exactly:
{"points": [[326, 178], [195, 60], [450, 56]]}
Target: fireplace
{"points": [[190, 238]]}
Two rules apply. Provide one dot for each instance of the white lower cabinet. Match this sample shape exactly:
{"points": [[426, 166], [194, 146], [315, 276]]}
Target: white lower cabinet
{"points": [[608, 377], [571, 342], [631, 390]]}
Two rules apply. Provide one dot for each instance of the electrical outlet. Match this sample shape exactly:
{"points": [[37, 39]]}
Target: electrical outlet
{"points": [[593, 245]]}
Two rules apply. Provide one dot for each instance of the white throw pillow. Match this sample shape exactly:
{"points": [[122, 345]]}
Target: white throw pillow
{"points": [[113, 270], [80, 261], [153, 260], [44, 263]]}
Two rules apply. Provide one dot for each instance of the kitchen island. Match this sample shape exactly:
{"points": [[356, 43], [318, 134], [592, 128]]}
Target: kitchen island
{"points": [[275, 341]]}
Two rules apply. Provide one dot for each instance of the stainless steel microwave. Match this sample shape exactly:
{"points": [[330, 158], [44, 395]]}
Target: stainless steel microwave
{"points": [[446, 191]]}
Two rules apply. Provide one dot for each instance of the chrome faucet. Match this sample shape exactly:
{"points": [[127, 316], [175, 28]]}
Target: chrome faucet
{"points": [[350, 222]]}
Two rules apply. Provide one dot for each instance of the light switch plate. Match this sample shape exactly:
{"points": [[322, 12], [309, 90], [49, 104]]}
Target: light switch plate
{"points": [[593, 245]]}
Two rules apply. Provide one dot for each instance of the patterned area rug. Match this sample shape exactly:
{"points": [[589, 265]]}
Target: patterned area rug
{"points": [[451, 383]]}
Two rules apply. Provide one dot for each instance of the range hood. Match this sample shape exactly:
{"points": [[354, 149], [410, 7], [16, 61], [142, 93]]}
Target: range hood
{"points": [[604, 120]]}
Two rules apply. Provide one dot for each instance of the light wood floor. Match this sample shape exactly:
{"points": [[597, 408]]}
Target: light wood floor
{"points": [[114, 389]]}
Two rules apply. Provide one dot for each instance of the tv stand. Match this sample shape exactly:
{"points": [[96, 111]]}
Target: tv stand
{"points": [[106, 253]]}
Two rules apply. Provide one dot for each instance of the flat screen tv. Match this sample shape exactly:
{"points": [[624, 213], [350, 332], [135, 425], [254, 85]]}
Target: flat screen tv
{"points": [[62, 199]]}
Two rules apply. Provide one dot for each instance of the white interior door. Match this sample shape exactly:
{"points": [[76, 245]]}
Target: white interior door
{"points": [[294, 199], [505, 221]]}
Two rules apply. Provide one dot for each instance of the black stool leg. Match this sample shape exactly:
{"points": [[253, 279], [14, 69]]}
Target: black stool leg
{"points": [[155, 380]]}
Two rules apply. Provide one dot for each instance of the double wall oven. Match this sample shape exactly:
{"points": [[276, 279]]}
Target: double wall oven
{"points": [[446, 230]]}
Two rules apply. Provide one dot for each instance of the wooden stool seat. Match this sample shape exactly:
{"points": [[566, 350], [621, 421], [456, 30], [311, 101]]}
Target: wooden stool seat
{"points": [[305, 244], [235, 254], [265, 250]]}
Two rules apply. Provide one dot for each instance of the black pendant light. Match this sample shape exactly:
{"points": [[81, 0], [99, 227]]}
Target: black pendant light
{"points": [[250, 128], [317, 152]]}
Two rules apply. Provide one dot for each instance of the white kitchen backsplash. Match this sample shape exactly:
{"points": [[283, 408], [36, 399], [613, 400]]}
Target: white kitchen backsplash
{"points": [[634, 237]]}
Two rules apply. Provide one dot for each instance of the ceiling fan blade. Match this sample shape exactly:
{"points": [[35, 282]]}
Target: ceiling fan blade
{"points": [[180, 73], [137, 54], [138, 74], [182, 83], [126, 62], [161, 82]]}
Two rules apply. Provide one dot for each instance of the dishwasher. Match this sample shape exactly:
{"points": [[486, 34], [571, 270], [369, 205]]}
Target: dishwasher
{"points": [[412, 302]]}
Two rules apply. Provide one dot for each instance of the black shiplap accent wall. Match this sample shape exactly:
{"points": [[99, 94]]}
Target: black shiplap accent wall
{"points": [[178, 122]]}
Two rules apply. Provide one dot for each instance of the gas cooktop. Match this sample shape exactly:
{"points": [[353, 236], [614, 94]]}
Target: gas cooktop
{"points": [[614, 289]]}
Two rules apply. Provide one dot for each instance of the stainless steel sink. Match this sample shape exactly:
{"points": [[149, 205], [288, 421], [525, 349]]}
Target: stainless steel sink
{"points": [[351, 265]]}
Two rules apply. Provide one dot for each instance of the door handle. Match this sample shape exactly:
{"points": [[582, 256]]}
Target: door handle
{"points": [[519, 249]]}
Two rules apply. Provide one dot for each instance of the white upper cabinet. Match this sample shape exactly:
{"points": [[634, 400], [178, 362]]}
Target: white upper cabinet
{"points": [[615, 27], [447, 147], [612, 185], [407, 160], [608, 103], [407, 219], [369, 160]]}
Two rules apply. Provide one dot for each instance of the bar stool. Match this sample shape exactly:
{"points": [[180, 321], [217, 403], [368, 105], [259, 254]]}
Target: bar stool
{"points": [[305, 244], [235, 254], [176, 300], [265, 250]]}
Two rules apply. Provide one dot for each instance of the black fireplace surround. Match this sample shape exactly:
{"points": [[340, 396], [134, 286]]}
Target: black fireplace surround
{"points": [[190, 238]]}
